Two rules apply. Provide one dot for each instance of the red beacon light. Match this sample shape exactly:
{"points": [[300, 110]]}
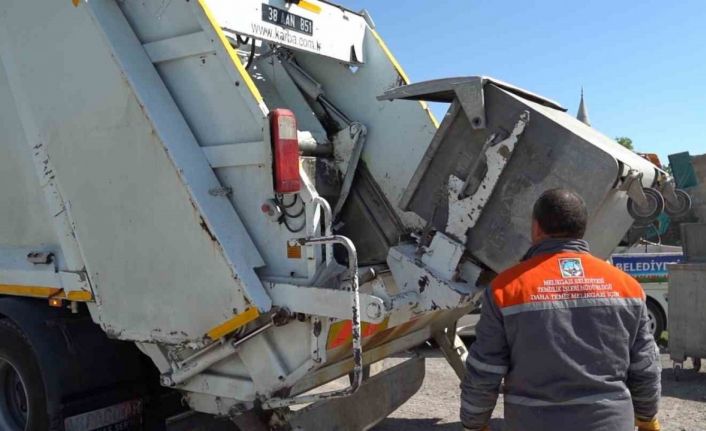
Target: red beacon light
{"points": [[285, 149]]}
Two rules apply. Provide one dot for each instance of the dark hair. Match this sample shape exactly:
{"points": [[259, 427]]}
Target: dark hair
{"points": [[561, 213]]}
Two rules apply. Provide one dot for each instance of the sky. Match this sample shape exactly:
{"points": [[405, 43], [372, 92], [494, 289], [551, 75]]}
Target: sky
{"points": [[642, 64]]}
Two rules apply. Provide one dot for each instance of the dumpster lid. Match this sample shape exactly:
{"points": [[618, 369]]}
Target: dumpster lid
{"points": [[444, 90]]}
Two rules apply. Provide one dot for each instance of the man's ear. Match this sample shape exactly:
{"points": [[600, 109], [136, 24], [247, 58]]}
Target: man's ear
{"points": [[537, 232]]}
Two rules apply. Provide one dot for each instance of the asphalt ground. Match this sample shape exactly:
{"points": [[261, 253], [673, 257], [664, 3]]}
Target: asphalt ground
{"points": [[435, 407]]}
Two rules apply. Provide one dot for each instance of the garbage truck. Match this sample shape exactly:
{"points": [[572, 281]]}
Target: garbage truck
{"points": [[233, 203]]}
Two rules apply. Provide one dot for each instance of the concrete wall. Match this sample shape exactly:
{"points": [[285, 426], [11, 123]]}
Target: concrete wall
{"points": [[698, 193], [699, 163]]}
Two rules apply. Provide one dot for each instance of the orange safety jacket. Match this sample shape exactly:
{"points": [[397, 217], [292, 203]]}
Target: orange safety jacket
{"points": [[569, 335]]}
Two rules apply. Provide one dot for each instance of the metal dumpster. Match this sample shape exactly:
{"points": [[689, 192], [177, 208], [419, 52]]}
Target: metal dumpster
{"points": [[498, 148]]}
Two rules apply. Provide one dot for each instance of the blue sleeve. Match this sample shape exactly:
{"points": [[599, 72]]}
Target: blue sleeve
{"points": [[487, 364], [645, 371]]}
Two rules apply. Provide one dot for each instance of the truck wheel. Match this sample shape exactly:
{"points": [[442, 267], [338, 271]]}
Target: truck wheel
{"points": [[23, 405], [657, 324]]}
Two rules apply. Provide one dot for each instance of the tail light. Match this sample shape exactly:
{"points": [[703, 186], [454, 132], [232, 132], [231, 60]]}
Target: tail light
{"points": [[285, 148]]}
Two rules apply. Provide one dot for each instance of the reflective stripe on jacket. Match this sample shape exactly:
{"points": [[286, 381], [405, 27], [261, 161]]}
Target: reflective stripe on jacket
{"points": [[569, 333]]}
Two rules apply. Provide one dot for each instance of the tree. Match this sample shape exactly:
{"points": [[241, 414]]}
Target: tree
{"points": [[625, 142]]}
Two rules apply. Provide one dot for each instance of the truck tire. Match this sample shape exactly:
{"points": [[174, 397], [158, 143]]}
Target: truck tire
{"points": [[656, 316], [23, 404], [67, 366]]}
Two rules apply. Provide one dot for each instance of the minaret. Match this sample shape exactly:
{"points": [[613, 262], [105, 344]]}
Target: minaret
{"points": [[582, 115]]}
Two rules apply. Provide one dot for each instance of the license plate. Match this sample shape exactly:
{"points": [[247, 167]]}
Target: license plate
{"points": [[126, 416], [286, 19]]}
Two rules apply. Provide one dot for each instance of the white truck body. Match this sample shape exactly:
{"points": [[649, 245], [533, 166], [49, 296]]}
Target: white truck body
{"points": [[137, 161]]}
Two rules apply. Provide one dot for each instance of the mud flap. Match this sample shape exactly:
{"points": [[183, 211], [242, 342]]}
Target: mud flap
{"points": [[374, 401]]}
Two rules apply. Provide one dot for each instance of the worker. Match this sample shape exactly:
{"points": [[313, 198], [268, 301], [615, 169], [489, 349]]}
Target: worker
{"points": [[569, 334]]}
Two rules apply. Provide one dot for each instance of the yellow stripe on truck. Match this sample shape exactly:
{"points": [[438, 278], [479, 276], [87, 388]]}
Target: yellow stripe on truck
{"points": [[31, 291], [231, 52], [79, 296], [233, 324], [45, 292], [391, 57], [311, 7], [401, 72]]}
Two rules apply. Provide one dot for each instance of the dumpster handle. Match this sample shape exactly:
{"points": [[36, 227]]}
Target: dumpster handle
{"points": [[357, 379]]}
